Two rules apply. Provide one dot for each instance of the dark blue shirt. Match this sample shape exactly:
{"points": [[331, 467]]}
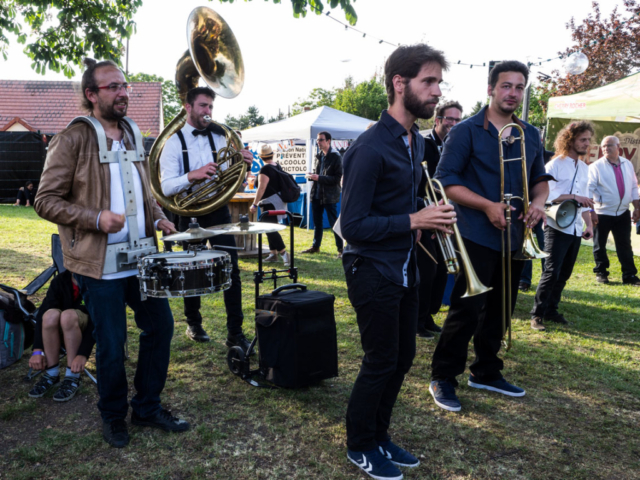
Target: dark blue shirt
{"points": [[471, 158], [380, 191]]}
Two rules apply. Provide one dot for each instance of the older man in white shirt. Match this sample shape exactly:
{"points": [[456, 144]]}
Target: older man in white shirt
{"points": [[563, 244], [613, 185]]}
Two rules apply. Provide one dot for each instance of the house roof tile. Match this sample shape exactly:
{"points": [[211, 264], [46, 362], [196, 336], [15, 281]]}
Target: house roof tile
{"points": [[50, 106]]}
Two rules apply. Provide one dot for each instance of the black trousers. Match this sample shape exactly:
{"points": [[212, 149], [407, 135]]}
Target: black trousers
{"points": [[479, 317], [563, 251], [275, 240], [433, 279], [387, 317], [232, 296], [620, 227], [317, 209]]}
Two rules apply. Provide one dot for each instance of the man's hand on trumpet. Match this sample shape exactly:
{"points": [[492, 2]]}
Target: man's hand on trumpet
{"points": [[434, 217]]}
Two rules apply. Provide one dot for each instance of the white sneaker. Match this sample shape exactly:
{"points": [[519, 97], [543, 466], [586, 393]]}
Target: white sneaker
{"points": [[272, 258], [286, 259]]}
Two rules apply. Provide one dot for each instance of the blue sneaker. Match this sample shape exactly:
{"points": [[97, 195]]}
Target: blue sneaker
{"points": [[500, 386], [374, 464], [398, 456], [444, 394]]}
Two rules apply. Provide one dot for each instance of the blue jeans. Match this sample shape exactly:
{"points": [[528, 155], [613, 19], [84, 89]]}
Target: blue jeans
{"points": [[527, 270], [106, 301], [318, 208]]}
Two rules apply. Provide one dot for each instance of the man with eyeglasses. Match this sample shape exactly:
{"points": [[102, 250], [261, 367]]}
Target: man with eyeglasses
{"points": [[101, 200], [613, 186], [433, 276], [325, 192]]}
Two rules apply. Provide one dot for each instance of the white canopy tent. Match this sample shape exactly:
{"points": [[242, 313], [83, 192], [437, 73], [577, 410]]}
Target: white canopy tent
{"points": [[304, 128], [307, 125]]}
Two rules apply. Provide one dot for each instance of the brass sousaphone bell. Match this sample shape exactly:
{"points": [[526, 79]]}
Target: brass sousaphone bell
{"points": [[215, 56]]}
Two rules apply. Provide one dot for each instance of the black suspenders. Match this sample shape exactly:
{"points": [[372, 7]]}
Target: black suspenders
{"points": [[185, 152]]}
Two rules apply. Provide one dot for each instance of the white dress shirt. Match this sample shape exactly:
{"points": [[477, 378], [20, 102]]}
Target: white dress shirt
{"points": [[567, 180], [172, 175]]}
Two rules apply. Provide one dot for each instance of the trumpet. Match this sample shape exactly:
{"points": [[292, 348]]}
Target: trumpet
{"points": [[447, 247], [529, 249]]}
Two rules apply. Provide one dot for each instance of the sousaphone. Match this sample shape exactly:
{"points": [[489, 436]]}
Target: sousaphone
{"points": [[214, 56]]}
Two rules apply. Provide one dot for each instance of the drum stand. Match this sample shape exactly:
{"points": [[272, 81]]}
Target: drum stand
{"points": [[237, 359]]}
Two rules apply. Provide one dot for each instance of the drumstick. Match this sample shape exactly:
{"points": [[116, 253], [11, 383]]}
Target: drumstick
{"points": [[427, 252]]}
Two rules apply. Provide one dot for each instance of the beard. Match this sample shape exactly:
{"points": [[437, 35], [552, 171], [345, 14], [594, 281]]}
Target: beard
{"points": [[198, 121], [416, 107], [109, 111], [503, 107]]}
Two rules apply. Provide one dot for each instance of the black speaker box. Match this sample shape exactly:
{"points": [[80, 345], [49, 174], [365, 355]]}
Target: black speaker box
{"points": [[297, 336]]}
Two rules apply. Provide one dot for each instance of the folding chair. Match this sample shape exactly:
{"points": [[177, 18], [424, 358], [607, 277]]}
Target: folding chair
{"points": [[29, 314]]}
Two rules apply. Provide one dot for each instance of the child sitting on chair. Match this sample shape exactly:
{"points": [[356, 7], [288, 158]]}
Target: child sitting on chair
{"points": [[62, 317]]}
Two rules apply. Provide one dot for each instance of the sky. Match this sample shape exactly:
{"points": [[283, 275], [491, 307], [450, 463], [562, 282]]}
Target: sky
{"points": [[285, 58]]}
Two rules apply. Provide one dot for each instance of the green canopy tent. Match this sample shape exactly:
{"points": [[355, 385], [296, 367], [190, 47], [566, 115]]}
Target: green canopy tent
{"points": [[614, 110]]}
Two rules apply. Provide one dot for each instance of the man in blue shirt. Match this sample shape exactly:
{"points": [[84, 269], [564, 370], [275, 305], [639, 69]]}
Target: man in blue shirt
{"points": [[470, 172], [380, 221]]}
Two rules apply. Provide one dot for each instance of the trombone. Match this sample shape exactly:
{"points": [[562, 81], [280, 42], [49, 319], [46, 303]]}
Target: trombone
{"points": [[449, 253], [530, 248]]}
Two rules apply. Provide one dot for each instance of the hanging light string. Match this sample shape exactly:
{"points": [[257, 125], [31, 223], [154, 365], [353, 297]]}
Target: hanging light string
{"points": [[471, 65]]}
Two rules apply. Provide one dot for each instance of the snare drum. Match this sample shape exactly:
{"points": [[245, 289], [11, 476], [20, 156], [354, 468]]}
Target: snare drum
{"points": [[184, 274]]}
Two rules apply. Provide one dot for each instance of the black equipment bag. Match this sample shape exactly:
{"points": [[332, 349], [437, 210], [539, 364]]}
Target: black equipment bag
{"points": [[297, 339]]}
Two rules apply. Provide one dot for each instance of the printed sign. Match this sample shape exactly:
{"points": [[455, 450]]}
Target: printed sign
{"points": [[293, 160]]}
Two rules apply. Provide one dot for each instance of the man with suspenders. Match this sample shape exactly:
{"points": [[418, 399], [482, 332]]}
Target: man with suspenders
{"points": [[188, 156]]}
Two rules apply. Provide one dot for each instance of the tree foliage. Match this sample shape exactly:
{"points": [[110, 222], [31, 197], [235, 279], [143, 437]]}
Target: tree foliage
{"points": [[319, 97], [170, 99], [612, 45], [300, 7], [366, 99], [249, 120], [62, 32]]}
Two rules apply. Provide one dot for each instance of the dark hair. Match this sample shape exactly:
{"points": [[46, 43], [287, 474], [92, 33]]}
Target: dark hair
{"points": [[566, 136], [194, 92], [407, 61], [447, 105], [29, 182], [89, 79], [507, 66], [327, 135]]}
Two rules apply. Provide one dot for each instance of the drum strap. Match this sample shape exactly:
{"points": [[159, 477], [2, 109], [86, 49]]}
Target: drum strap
{"points": [[123, 256]]}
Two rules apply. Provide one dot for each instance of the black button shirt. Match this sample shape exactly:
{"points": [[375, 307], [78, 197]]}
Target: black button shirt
{"points": [[380, 190]]}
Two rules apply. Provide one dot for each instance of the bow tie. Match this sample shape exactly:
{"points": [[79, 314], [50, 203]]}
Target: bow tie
{"points": [[199, 132]]}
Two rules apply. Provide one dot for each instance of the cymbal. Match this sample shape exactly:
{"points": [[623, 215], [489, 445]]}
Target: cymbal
{"points": [[190, 235], [249, 228]]}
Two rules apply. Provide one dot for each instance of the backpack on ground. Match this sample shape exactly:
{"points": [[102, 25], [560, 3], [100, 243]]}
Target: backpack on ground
{"points": [[289, 189], [15, 334]]}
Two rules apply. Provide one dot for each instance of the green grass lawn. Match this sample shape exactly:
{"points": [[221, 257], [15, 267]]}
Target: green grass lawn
{"points": [[579, 420]]}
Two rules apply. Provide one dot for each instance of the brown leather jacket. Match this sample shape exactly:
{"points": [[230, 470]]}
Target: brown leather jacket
{"points": [[75, 187]]}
